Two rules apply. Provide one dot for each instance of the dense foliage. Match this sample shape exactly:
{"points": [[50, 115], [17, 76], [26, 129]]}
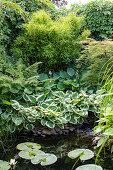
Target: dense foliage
{"points": [[35, 5], [98, 17], [94, 61], [11, 18], [29, 100], [51, 42]]}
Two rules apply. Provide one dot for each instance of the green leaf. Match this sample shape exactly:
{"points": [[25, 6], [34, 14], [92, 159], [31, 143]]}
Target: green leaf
{"points": [[17, 120], [102, 140], [70, 71], [32, 99], [50, 124], [26, 97], [29, 126], [5, 115], [4, 165], [80, 120], [89, 167], [63, 74], [84, 154], [30, 153], [38, 158], [12, 128], [43, 76], [108, 132], [61, 86], [28, 145], [43, 122], [56, 76], [28, 91], [40, 98], [6, 102], [50, 159]]}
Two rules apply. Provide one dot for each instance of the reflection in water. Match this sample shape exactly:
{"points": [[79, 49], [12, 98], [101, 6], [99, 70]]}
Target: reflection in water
{"points": [[59, 146]]}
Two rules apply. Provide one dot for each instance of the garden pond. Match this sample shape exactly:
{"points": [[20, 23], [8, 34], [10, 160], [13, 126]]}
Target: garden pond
{"points": [[59, 146]]}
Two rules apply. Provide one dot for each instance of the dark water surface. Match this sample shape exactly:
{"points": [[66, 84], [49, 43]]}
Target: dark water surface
{"points": [[60, 146]]}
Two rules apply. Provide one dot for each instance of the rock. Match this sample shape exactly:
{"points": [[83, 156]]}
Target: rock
{"points": [[46, 132]]}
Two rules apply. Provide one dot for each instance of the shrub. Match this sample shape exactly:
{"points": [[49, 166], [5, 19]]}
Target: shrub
{"points": [[11, 18], [48, 41], [98, 17], [35, 5], [94, 59]]}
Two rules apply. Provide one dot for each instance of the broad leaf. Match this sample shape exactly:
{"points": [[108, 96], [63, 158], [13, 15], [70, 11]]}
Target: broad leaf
{"points": [[84, 154]]}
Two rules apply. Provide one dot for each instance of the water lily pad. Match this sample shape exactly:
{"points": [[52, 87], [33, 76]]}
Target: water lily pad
{"points": [[89, 167], [38, 158], [84, 154], [50, 159], [4, 165], [44, 159], [30, 154], [26, 145]]}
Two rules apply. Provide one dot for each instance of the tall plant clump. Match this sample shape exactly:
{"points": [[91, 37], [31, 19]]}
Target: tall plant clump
{"points": [[11, 18], [94, 61], [48, 41]]}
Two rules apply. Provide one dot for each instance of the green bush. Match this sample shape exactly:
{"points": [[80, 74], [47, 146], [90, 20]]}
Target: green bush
{"points": [[11, 18], [35, 5], [98, 17], [52, 42], [94, 61]]}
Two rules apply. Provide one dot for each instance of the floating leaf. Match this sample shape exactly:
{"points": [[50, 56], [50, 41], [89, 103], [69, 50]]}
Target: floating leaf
{"points": [[30, 153], [89, 167], [38, 158], [84, 154], [50, 159], [27, 145], [4, 165]]}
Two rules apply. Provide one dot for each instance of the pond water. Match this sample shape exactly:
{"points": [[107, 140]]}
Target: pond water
{"points": [[60, 146]]}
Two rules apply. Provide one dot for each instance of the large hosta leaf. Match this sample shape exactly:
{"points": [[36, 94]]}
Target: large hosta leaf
{"points": [[4, 165], [84, 154], [89, 167], [27, 145]]}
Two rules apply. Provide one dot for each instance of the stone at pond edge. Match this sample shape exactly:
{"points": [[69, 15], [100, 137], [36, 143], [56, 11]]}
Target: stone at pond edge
{"points": [[89, 167]]}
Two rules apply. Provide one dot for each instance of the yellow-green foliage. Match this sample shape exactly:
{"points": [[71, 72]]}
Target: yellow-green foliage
{"points": [[96, 56], [48, 41]]}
